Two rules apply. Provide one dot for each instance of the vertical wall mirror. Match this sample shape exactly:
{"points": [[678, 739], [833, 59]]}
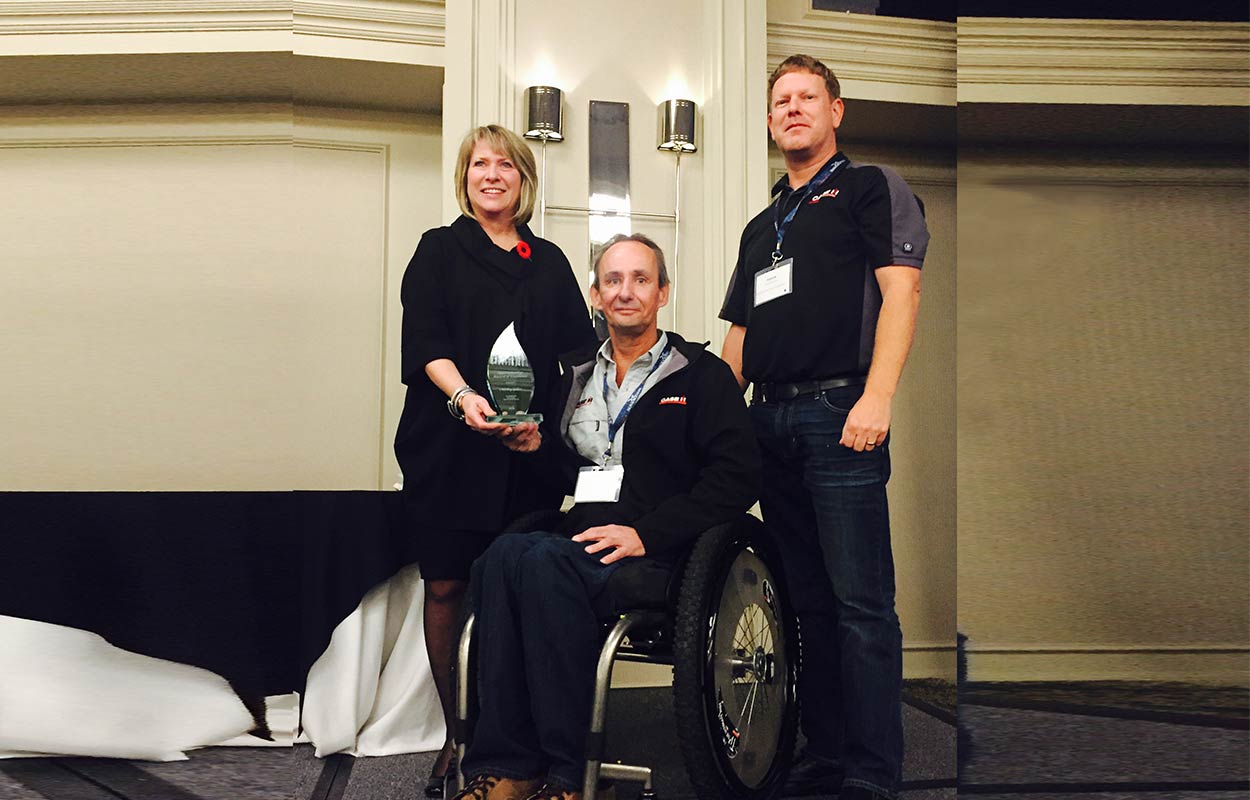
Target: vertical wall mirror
{"points": [[609, 180]]}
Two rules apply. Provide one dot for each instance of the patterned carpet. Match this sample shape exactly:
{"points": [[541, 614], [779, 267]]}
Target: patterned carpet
{"points": [[1191, 704], [931, 695], [1031, 741]]}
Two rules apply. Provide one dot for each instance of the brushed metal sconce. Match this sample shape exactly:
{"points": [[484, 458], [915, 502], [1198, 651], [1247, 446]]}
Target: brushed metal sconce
{"points": [[544, 120], [677, 126], [677, 135]]}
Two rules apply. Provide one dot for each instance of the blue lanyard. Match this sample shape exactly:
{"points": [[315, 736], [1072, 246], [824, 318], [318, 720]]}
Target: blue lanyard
{"points": [[615, 425], [815, 183]]}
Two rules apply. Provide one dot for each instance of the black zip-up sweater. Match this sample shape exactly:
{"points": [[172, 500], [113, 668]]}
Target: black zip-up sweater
{"points": [[690, 457]]}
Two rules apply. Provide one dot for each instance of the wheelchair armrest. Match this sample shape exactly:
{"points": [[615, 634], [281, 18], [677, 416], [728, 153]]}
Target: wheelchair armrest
{"points": [[545, 520]]}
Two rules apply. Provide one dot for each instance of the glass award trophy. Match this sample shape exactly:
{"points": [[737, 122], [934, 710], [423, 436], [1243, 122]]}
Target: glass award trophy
{"points": [[510, 381]]}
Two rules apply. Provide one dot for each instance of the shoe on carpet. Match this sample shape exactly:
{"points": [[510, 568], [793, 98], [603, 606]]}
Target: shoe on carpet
{"points": [[811, 775], [436, 785]]}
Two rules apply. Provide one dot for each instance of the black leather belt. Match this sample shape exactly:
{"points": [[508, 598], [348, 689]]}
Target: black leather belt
{"points": [[772, 392]]}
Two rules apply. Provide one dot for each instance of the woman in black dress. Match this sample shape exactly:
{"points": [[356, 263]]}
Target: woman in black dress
{"points": [[465, 284]]}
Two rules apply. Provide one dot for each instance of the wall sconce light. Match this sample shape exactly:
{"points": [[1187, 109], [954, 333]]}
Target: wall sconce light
{"points": [[677, 126], [544, 117], [677, 121], [544, 120]]}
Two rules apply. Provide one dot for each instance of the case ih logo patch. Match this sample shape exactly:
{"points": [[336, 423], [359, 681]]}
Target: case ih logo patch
{"points": [[675, 400], [827, 193]]}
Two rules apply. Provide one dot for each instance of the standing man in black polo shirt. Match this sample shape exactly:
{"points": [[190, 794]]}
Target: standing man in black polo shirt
{"points": [[822, 305]]}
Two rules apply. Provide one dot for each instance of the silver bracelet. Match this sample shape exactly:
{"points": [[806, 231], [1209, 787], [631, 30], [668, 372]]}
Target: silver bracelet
{"points": [[453, 404]]}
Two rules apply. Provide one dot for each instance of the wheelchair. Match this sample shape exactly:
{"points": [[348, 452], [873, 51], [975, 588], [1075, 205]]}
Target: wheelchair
{"points": [[721, 619]]}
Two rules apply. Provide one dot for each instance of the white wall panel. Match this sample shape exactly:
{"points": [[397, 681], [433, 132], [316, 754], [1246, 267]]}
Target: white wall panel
{"points": [[147, 290], [339, 243], [388, 163], [191, 303]]}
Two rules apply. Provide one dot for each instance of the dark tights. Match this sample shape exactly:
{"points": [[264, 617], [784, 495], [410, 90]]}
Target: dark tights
{"points": [[444, 602]]}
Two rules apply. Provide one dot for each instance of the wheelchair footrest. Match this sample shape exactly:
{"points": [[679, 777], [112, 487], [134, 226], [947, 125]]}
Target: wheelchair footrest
{"points": [[626, 772]]}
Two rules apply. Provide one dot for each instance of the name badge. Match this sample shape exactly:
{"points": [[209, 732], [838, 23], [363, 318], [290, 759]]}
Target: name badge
{"points": [[774, 282], [599, 484]]}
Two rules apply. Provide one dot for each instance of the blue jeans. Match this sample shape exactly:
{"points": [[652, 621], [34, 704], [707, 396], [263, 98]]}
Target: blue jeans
{"points": [[538, 643], [825, 506]]}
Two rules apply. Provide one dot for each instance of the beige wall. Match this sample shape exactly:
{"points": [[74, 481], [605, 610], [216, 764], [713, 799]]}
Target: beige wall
{"points": [[1103, 367], [370, 178], [191, 299], [142, 281]]}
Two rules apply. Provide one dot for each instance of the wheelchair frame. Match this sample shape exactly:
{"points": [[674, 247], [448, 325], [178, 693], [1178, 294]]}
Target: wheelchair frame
{"points": [[657, 651], [613, 648]]}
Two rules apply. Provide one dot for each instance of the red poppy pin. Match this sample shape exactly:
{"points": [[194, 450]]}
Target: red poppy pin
{"points": [[523, 250]]}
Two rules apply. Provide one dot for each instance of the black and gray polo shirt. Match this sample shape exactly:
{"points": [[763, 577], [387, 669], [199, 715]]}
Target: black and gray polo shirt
{"points": [[860, 219]]}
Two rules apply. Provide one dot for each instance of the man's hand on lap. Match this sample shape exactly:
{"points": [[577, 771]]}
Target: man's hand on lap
{"points": [[624, 539]]}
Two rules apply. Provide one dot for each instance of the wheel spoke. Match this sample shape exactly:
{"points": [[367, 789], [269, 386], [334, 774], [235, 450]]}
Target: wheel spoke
{"points": [[748, 620], [751, 709], [745, 703], [745, 641]]}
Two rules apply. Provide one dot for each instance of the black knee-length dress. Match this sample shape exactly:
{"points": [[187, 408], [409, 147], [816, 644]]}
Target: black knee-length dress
{"points": [[459, 293]]}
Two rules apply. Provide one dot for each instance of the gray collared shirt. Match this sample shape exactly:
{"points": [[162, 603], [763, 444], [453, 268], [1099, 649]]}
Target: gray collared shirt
{"points": [[588, 427]]}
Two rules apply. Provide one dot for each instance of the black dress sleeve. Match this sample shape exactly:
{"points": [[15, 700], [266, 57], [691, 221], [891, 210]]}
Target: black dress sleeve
{"points": [[575, 330], [426, 327]]}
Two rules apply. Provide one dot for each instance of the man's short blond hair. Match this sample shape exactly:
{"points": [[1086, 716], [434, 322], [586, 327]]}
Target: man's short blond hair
{"points": [[504, 141], [802, 63]]}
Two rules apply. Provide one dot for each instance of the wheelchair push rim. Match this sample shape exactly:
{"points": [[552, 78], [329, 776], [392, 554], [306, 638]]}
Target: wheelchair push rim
{"points": [[747, 672], [746, 663]]}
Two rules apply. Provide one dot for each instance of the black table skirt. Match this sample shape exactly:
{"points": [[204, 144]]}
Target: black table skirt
{"points": [[249, 585]]}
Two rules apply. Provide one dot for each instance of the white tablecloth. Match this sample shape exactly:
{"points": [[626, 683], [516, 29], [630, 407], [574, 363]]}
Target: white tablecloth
{"points": [[371, 692], [65, 691]]}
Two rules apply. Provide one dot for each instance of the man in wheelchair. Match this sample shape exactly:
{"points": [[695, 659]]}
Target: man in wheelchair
{"points": [[656, 444]]}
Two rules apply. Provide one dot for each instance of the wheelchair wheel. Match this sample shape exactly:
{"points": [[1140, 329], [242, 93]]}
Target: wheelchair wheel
{"points": [[735, 667]]}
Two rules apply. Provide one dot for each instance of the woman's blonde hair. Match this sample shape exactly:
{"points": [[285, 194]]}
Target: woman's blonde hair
{"points": [[501, 140]]}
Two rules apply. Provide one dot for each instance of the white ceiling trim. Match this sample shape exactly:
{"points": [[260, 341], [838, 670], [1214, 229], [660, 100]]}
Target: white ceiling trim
{"points": [[415, 22], [1103, 61], [396, 31], [146, 141], [875, 58], [115, 27], [141, 16]]}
